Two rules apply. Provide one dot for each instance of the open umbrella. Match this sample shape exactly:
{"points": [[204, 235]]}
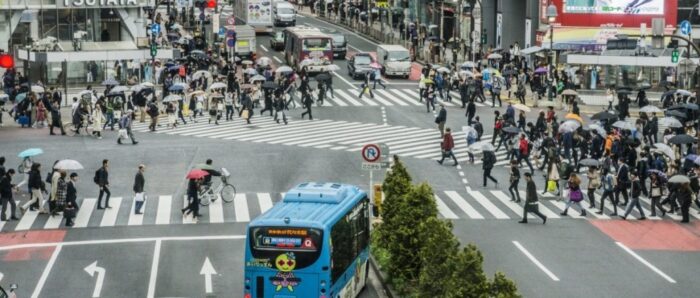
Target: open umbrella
{"points": [[541, 70], [658, 173], [176, 87], [68, 165], [247, 62], [665, 149], [331, 67], [572, 116], [623, 125], [443, 70], [257, 78], [250, 71], [670, 122], [172, 97], [198, 54], [623, 92], [196, 174], [283, 68], [511, 129], [173, 68], [691, 106], [569, 92], [676, 113], [323, 77], [598, 128], [201, 73], [270, 85], [467, 64], [217, 85], [20, 97], [148, 85], [589, 162], [681, 139], [682, 92], [604, 115], [136, 88], [119, 89], [684, 106], [110, 82], [569, 126], [679, 179], [30, 152], [37, 89], [375, 65], [521, 107], [263, 61], [494, 56], [195, 93], [650, 109]]}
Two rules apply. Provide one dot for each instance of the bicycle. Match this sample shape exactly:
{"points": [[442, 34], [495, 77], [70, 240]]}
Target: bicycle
{"points": [[224, 189]]}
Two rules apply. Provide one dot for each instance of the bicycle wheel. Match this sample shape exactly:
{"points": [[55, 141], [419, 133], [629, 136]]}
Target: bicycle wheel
{"points": [[204, 199], [228, 192]]}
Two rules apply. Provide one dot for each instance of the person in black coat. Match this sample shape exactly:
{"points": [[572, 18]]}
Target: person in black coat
{"points": [[102, 182], [268, 102], [623, 181], [531, 200], [684, 197], [489, 159], [192, 198], [6, 188], [308, 102], [139, 182], [514, 180], [71, 191], [471, 112]]}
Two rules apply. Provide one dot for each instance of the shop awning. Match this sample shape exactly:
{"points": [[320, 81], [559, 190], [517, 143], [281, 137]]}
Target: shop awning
{"points": [[586, 38], [646, 61], [531, 50]]}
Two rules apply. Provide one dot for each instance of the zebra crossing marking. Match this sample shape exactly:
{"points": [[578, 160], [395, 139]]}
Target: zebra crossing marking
{"points": [[163, 211], [348, 97], [83, 217], [338, 102], [25, 223], [414, 102], [216, 210], [187, 219], [464, 205], [241, 208], [391, 97], [136, 219], [486, 203], [443, 209], [54, 222], [110, 214], [265, 202], [544, 210]]}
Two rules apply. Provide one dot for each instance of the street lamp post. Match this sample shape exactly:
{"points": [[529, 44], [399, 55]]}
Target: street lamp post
{"points": [[551, 17]]}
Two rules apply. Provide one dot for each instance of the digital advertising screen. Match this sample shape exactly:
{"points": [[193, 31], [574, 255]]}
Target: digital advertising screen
{"points": [[631, 7]]}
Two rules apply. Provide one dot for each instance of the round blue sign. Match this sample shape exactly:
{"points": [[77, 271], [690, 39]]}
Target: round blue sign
{"points": [[231, 42], [685, 27]]}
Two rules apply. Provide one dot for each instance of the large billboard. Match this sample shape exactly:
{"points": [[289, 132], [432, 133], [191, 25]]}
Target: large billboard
{"points": [[634, 7], [621, 13]]}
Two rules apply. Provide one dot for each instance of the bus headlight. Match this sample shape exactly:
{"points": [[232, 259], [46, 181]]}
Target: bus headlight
{"points": [[323, 284]]}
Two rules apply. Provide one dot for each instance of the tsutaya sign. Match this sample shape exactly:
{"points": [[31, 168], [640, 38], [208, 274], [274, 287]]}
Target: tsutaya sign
{"points": [[103, 3]]}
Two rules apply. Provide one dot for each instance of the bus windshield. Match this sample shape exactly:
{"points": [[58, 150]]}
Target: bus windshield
{"points": [[316, 44], [269, 242]]}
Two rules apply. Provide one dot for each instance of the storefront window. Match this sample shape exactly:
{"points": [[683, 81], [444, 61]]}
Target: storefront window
{"points": [[64, 25], [48, 23]]}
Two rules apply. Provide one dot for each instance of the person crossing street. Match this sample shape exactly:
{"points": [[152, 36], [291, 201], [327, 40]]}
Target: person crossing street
{"points": [[139, 183], [531, 200], [102, 180], [447, 145], [6, 189]]}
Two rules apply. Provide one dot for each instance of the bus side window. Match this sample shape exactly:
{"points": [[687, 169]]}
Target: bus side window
{"points": [[350, 236]]}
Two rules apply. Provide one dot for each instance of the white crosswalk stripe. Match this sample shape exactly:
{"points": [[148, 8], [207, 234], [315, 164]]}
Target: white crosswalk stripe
{"points": [[481, 204]]}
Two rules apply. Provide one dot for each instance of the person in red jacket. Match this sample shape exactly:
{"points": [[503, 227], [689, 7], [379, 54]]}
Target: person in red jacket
{"points": [[447, 145], [524, 150]]}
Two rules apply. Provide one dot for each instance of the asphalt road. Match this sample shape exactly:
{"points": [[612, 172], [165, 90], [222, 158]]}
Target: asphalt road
{"points": [[569, 256]]}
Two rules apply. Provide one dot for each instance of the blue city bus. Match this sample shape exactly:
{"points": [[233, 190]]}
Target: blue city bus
{"points": [[314, 243]]}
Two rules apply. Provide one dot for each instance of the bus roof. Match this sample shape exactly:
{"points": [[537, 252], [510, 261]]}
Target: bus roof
{"points": [[306, 31], [311, 204]]}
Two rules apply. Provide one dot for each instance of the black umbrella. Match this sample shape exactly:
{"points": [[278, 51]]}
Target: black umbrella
{"points": [[511, 129], [323, 77], [589, 162], [691, 106], [676, 113], [270, 85], [624, 91], [604, 115], [681, 139], [110, 82]]}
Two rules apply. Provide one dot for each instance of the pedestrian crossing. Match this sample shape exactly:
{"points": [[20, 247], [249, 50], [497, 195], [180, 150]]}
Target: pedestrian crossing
{"points": [[470, 204]]}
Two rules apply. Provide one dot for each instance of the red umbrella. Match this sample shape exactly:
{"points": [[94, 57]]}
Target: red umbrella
{"points": [[375, 65], [196, 174]]}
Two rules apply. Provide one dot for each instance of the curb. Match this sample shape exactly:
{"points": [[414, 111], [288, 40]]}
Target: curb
{"points": [[382, 279]]}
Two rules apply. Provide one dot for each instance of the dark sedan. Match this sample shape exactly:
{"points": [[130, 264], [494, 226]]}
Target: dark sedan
{"points": [[277, 41], [359, 65]]}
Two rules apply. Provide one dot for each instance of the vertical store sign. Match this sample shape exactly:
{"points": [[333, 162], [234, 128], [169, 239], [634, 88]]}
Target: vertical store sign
{"points": [[499, 30], [528, 33], [543, 11]]}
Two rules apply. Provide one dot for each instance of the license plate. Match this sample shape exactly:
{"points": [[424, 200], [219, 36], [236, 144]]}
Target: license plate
{"points": [[243, 43]]}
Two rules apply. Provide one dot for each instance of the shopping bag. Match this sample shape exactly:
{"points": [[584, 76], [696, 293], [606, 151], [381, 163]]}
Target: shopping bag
{"points": [[139, 197], [123, 134], [551, 186], [245, 114]]}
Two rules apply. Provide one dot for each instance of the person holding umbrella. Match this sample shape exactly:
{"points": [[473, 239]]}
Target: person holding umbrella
{"points": [[195, 181], [531, 200]]}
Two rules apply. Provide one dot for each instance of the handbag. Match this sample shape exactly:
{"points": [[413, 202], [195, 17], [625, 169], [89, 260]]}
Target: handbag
{"points": [[123, 134], [576, 196], [551, 186], [245, 114], [140, 197]]}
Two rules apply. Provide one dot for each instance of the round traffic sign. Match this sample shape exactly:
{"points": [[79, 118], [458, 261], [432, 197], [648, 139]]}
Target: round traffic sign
{"points": [[371, 153], [231, 42], [231, 21]]}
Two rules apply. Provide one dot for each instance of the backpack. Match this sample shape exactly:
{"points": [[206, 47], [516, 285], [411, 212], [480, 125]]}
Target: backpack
{"points": [[96, 178], [479, 129], [499, 124]]}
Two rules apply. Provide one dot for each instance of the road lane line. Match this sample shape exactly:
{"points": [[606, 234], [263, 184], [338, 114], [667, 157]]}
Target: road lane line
{"points": [[443, 209], [534, 260], [264, 48], [265, 202], [47, 270], [241, 207], [136, 219], [216, 210], [109, 218], [643, 261], [154, 270], [464, 205], [163, 211], [86, 209], [344, 80], [277, 59]]}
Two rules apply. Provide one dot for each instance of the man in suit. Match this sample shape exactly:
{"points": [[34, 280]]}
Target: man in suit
{"points": [[441, 119], [488, 159], [102, 180], [623, 181], [531, 200], [139, 182]]}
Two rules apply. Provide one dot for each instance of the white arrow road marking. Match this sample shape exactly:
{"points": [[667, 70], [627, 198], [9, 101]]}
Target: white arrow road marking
{"points": [[207, 271], [92, 269]]}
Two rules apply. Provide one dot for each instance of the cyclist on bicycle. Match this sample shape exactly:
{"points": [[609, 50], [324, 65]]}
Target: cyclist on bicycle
{"points": [[206, 184]]}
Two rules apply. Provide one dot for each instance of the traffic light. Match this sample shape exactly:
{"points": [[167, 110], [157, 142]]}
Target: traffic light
{"points": [[211, 4], [154, 50], [674, 56], [7, 61], [483, 37]]}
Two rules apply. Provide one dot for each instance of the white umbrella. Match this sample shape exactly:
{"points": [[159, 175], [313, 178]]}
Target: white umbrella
{"points": [[468, 64], [118, 89], [136, 88], [665, 149], [283, 68], [443, 69], [172, 97], [650, 109], [257, 78], [569, 126], [85, 92], [194, 93], [68, 165], [250, 71], [495, 56], [468, 130], [263, 61], [679, 179], [670, 122], [147, 85], [522, 107], [247, 62], [37, 89], [683, 92], [217, 85], [466, 73], [482, 146], [598, 128], [201, 73], [623, 125]]}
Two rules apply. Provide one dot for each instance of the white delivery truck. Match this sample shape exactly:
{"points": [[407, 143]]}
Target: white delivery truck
{"points": [[284, 14], [257, 13], [394, 59]]}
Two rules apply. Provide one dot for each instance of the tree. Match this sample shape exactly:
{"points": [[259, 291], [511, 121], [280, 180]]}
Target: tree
{"points": [[468, 278], [397, 183], [436, 256], [503, 287]]}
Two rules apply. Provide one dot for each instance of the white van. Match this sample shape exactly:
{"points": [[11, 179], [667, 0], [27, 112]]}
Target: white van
{"points": [[394, 59], [285, 15]]}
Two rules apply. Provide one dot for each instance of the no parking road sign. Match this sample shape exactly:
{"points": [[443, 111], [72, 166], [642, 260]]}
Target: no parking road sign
{"points": [[371, 153]]}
